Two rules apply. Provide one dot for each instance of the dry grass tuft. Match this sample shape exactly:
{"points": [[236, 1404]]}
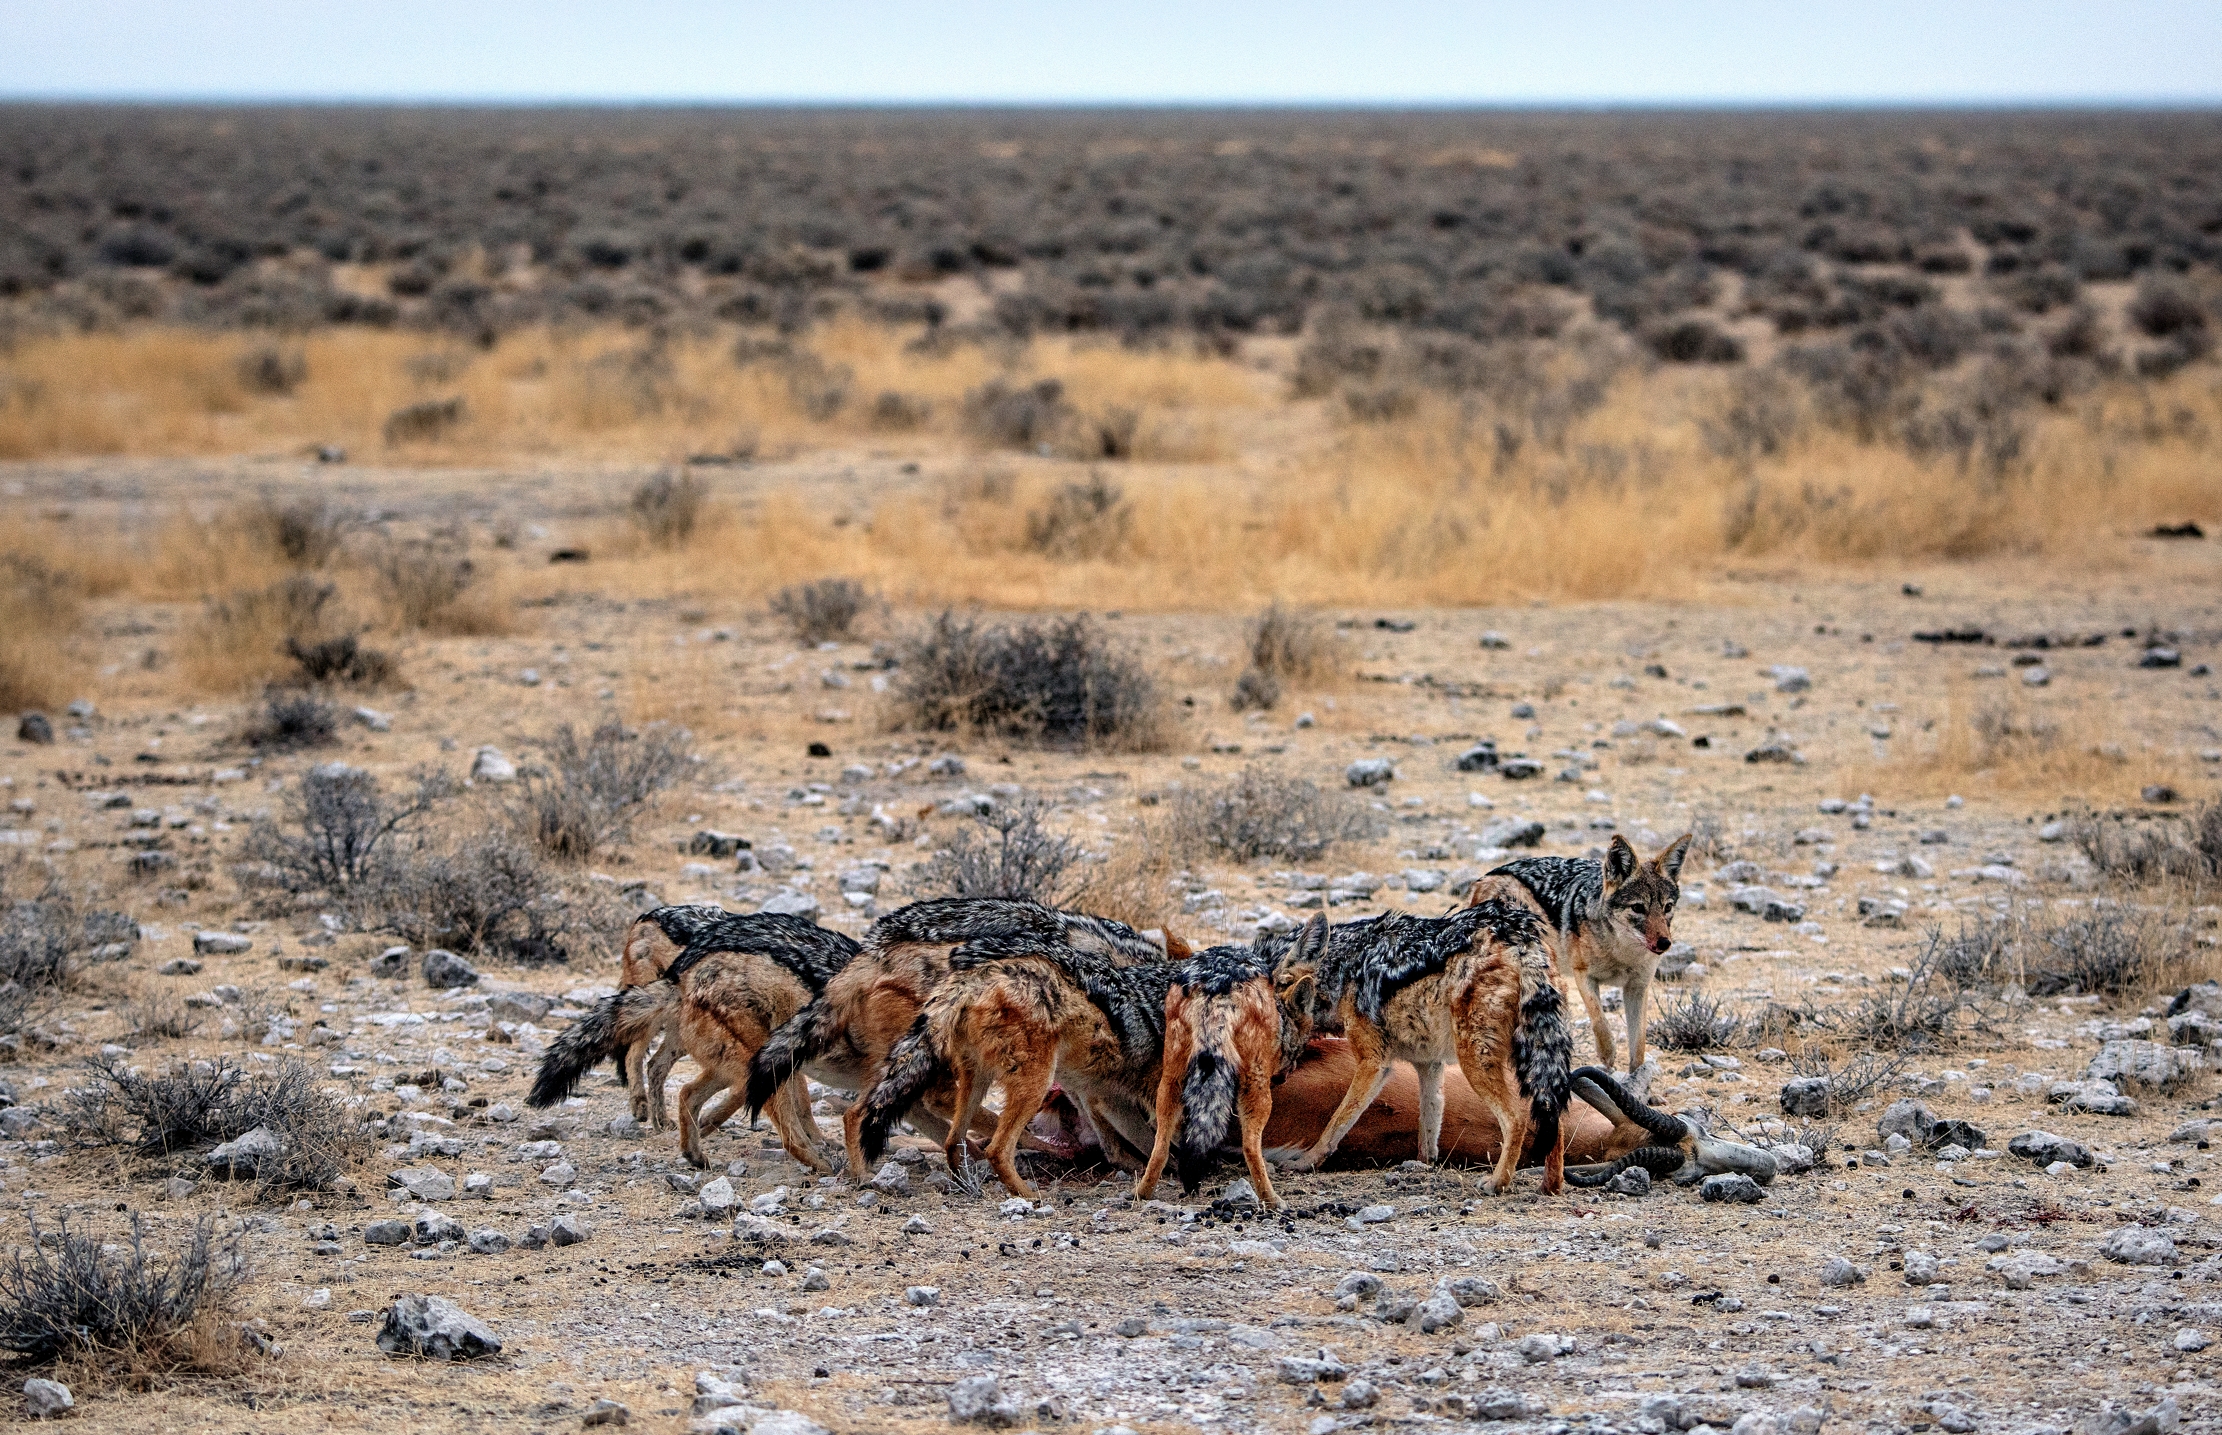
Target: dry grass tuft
{"points": [[434, 586], [1007, 853], [1261, 814], [2113, 949], [73, 1294], [39, 611], [2008, 741], [168, 1118], [2190, 849], [669, 507], [586, 791], [249, 638], [1061, 681], [822, 611]]}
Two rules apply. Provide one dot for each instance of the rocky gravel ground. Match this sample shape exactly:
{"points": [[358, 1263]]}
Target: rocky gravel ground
{"points": [[2007, 1232]]}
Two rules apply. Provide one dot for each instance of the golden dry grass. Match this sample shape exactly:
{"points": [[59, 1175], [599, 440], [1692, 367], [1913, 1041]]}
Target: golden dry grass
{"points": [[1237, 495], [579, 393], [1999, 739], [39, 612]]}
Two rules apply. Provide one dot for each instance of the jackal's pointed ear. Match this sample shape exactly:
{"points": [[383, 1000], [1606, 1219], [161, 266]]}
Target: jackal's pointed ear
{"points": [[1311, 943], [1620, 861], [1670, 861], [1298, 995]]}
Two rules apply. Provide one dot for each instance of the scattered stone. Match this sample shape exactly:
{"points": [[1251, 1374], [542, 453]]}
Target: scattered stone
{"points": [[1370, 772], [2021, 1270], [815, 1279], [443, 969], [491, 766], [717, 1198], [435, 1329], [1498, 1403], [786, 1422], [391, 962], [34, 728], [2189, 1341], [1481, 757], [922, 1296], [1512, 832], [1777, 748], [1360, 1395], [426, 1183], [606, 1412], [518, 1007], [787, 902], [568, 1231], [1543, 1346], [2137, 1246], [1908, 1118], [1439, 1311], [179, 967], [1841, 1272], [979, 1400], [488, 1242], [386, 1233], [1733, 1187], [46, 1399], [2149, 1064], [1921, 1268], [1306, 1370], [2099, 1098], [1805, 1096], [242, 1157], [220, 944]]}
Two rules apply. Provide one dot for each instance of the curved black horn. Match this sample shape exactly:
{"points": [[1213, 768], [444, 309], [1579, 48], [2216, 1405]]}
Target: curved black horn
{"points": [[1658, 1160], [1595, 1175], [1596, 1086]]}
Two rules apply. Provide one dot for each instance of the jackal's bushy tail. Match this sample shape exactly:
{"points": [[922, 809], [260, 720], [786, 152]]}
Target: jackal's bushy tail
{"points": [[913, 1064], [1543, 1055], [801, 1037], [1543, 1047], [616, 1022], [1207, 1098]]}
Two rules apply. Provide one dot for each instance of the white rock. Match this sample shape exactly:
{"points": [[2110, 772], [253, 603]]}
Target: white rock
{"points": [[46, 1399]]}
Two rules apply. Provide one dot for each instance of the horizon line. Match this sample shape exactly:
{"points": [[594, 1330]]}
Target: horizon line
{"points": [[2186, 104]]}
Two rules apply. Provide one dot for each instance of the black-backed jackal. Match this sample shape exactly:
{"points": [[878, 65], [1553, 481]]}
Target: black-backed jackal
{"points": [[718, 1001], [1476, 987], [1608, 923], [1027, 1014], [842, 1038], [1234, 1021]]}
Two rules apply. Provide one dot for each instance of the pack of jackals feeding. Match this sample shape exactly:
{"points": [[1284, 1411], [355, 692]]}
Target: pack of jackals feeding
{"points": [[1157, 1053]]}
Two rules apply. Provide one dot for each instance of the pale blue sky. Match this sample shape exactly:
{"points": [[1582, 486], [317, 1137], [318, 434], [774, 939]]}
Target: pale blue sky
{"points": [[1142, 51]]}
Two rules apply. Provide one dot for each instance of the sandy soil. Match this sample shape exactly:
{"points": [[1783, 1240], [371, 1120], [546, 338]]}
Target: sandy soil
{"points": [[1093, 1311]]}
